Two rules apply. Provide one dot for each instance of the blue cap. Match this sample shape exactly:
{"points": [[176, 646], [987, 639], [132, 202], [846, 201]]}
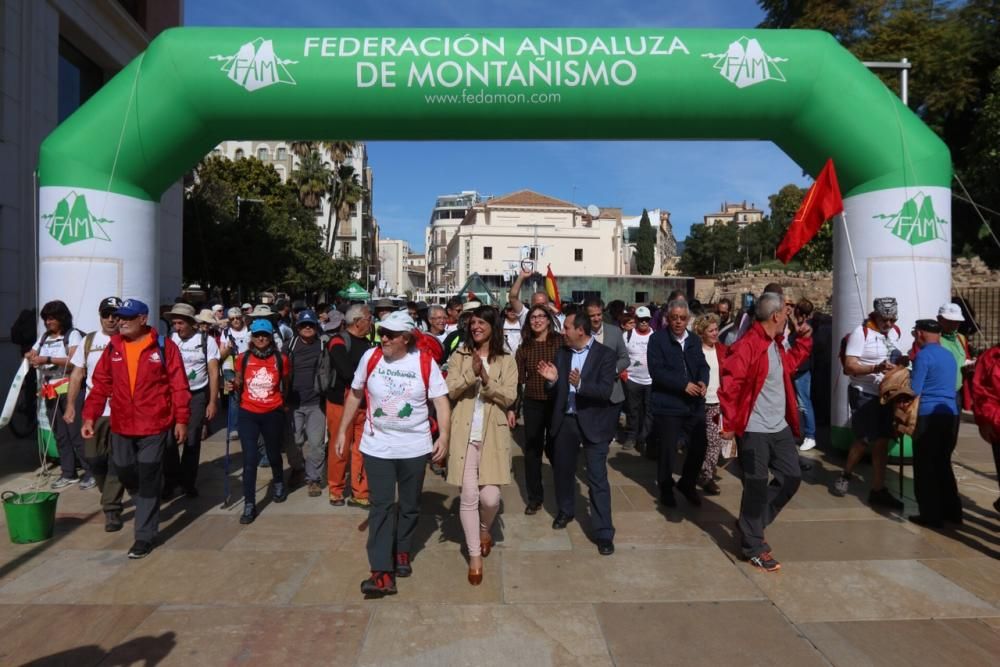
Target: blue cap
{"points": [[132, 308], [307, 317], [261, 325]]}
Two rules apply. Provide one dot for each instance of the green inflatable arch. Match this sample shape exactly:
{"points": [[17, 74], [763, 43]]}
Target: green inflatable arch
{"points": [[103, 170]]}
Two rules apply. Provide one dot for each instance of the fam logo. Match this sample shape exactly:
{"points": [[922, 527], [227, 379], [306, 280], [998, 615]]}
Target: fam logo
{"points": [[746, 64], [72, 221], [256, 66], [916, 222]]}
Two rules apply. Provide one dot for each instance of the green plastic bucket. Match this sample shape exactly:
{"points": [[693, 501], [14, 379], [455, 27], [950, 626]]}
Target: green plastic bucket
{"points": [[47, 443], [30, 516]]}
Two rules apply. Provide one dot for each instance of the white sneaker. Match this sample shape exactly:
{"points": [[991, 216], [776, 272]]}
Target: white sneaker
{"points": [[807, 444]]}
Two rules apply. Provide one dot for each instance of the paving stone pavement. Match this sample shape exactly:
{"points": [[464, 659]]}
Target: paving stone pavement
{"points": [[856, 588]]}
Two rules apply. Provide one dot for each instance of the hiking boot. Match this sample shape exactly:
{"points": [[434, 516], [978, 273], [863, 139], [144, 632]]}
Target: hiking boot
{"points": [[88, 482], [807, 444], [882, 498], [766, 562], [191, 492], [280, 492], [711, 488], [249, 514], [379, 585], [628, 445], [403, 567], [314, 490], [140, 549], [363, 503], [690, 493], [840, 486], [337, 501], [63, 482], [113, 522]]}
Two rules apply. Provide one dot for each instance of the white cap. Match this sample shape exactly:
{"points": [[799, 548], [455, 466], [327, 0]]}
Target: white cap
{"points": [[217, 308], [642, 312], [398, 320], [951, 311], [247, 306], [234, 312]]}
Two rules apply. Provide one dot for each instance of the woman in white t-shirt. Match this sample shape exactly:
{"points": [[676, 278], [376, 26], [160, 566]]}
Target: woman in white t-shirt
{"points": [[397, 383], [50, 355], [482, 380]]}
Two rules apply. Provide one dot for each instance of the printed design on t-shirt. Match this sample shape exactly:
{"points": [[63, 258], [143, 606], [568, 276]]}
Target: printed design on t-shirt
{"points": [[395, 408], [261, 384]]}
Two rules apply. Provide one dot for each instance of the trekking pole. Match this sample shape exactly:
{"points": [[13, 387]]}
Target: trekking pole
{"points": [[229, 429]]}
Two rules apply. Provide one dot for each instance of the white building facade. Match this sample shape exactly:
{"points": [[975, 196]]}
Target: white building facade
{"points": [[497, 235], [55, 55], [447, 215], [739, 213], [402, 271]]}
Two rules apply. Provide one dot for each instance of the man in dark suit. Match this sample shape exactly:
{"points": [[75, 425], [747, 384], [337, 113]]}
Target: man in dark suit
{"points": [[608, 335], [582, 380], [680, 376]]}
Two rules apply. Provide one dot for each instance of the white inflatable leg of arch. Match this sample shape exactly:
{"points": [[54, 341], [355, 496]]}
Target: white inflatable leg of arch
{"points": [[918, 275], [103, 246]]}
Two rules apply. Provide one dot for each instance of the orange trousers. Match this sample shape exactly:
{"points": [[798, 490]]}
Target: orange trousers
{"points": [[336, 467]]}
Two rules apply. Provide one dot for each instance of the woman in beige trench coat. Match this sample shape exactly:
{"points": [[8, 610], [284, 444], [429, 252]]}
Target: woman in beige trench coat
{"points": [[482, 384]]}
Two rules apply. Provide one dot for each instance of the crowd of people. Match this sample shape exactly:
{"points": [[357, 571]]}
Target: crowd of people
{"points": [[361, 399]]}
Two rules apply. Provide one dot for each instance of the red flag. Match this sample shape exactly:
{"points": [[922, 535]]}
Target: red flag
{"points": [[472, 296], [552, 289], [822, 202]]}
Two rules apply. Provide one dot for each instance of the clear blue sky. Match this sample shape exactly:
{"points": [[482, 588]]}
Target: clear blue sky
{"points": [[688, 179]]}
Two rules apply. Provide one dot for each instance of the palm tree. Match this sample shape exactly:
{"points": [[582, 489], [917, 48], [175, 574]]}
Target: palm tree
{"points": [[345, 191], [302, 148], [312, 177], [338, 151]]}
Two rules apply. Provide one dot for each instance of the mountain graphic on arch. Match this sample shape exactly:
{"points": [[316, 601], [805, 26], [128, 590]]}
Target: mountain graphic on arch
{"points": [[72, 221], [916, 222]]}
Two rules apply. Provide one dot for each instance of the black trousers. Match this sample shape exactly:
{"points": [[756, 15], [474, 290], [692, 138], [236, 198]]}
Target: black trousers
{"points": [[640, 418], [537, 440], [387, 534], [182, 469], [669, 430], [567, 449], [933, 479], [761, 454]]}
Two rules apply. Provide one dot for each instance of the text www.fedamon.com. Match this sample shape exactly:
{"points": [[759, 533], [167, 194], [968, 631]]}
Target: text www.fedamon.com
{"points": [[483, 97]]}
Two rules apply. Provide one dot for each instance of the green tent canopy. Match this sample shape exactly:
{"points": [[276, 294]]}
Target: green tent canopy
{"points": [[355, 292], [476, 285]]}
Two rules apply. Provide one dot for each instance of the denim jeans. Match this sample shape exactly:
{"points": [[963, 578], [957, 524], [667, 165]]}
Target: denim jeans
{"points": [[803, 391], [253, 426]]}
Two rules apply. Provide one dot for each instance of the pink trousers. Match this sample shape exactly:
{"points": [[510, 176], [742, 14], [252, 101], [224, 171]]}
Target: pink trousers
{"points": [[479, 504]]}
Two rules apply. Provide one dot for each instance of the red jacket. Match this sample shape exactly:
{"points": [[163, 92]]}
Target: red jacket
{"points": [[744, 371], [986, 389], [161, 397]]}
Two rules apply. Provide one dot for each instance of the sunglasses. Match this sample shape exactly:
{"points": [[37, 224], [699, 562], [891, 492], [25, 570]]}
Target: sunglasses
{"points": [[391, 335], [261, 334], [109, 315], [309, 325]]}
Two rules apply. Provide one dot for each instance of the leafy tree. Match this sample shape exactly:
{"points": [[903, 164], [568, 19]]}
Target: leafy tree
{"points": [[953, 49], [709, 250], [313, 180], [243, 227], [645, 246]]}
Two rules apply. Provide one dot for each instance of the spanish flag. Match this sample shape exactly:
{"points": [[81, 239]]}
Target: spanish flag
{"points": [[552, 288]]}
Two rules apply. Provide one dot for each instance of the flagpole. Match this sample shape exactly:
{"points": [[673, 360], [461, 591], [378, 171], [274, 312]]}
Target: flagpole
{"points": [[854, 265]]}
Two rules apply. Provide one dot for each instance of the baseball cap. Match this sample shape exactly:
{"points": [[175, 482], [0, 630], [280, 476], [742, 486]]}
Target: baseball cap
{"points": [[259, 326], [132, 308], [399, 321], [951, 311], [246, 306], [930, 326], [234, 312], [217, 308], [642, 312], [111, 303], [307, 317], [336, 318]]}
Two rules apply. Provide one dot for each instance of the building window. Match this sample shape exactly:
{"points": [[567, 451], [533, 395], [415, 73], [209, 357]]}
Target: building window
{"points": [[262, 153], [79, 78], [282, 153], [641, 297], [578, 254], [579, 296], [532, 252], [239, 153], [488, 252]]}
